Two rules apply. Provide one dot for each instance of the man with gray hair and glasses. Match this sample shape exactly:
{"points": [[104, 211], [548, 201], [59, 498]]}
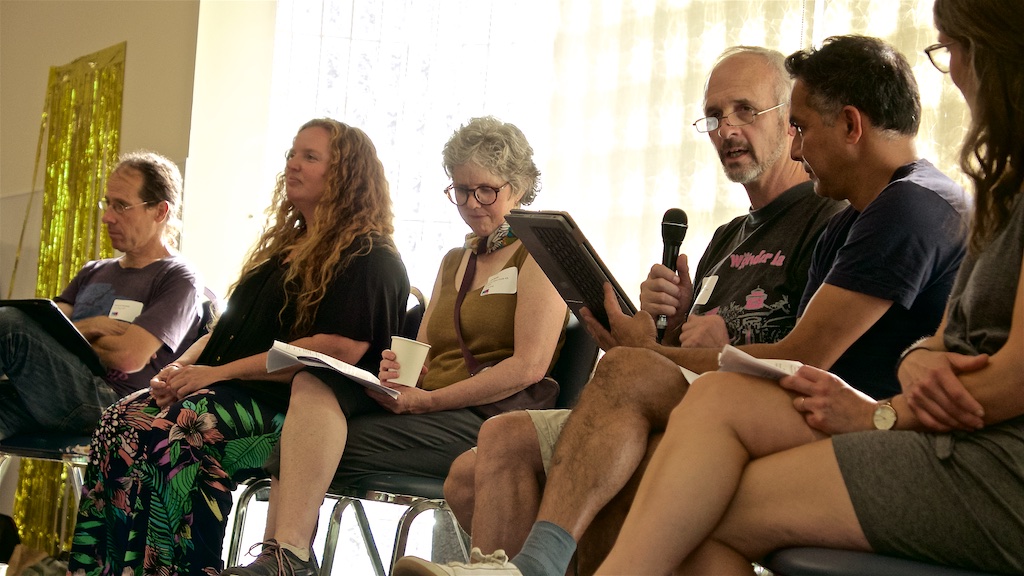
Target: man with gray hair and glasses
{"points": [[139, 311]]}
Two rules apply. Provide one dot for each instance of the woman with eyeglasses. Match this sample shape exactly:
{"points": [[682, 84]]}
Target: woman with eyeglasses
{"points": [[324, 275], [510, 318]]}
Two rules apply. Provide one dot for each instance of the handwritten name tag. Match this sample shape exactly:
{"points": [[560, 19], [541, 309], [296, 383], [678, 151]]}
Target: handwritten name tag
{"points": [[707, 286], [503, 282], [125, 310]]}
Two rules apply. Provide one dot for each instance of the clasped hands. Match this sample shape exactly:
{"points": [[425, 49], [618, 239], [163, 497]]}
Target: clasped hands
{"points": [[931, 388], [176, 381]]}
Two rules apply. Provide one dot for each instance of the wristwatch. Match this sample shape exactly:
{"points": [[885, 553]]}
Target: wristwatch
{"points": [[884, 417]]}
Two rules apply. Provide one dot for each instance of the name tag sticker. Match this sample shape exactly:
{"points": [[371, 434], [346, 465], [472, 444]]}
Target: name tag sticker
{"points": [[503, 282], [707, 287], [125, 310]]}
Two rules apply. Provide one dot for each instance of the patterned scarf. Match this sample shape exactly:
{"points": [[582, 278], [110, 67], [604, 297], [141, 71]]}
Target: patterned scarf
{"points": [[501, 237]]}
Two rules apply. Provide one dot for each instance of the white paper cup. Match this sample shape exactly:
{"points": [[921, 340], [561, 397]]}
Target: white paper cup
{"points": [[411, 354]]}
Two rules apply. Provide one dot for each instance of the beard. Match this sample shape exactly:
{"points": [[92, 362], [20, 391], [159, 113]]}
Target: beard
{"points": [[752, 170]]}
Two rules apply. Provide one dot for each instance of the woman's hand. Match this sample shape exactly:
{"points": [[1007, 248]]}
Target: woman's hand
{"points": [[931, 385], [828, 403], [192, 378], [389, 368], [160, 390], [410, 400]]}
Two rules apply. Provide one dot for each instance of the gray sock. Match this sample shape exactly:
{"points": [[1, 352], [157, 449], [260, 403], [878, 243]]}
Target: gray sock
{"points": [[547, 551]]}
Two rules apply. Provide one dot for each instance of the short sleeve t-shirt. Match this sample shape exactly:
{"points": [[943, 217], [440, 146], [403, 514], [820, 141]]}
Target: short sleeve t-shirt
{"points": [[169, 293], [906, 247], [754, 271]]}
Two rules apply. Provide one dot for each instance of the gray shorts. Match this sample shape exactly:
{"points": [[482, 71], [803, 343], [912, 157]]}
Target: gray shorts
{"points": [[946, 498]]}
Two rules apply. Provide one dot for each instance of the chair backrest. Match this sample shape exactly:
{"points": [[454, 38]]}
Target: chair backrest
{"points": [[575, 363], [211, 310], [413, 314]]}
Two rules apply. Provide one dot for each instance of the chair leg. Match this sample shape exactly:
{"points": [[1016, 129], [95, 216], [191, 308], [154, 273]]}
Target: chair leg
{"points": [[334, 529], [241, 508], [405, 525]]}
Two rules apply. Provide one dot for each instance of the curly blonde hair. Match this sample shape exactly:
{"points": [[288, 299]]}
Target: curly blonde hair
{"points": [[353, 214]]}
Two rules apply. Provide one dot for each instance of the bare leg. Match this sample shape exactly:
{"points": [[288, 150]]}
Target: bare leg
{"points": [[725, 421], [795, 497], [459, 488], [605, 438], [509, 480], [599, 538], [309, 457]]}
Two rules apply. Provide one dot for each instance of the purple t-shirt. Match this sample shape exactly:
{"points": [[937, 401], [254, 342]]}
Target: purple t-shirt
{"points": [[169, 293]]}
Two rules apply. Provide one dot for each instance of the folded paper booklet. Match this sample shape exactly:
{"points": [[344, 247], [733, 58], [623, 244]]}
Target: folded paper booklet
{"points": [[732, 359], [283, 355]]}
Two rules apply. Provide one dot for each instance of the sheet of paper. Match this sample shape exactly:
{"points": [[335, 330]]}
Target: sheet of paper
{"points": [[282, 355], [732, 359]]}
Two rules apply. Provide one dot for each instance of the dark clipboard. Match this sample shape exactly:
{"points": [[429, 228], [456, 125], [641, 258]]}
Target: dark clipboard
{"points": [[56, 324], [570, 262]]}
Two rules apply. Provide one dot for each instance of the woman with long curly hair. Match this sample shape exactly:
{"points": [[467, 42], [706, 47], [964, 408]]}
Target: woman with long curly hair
{"points": [[324, 275]]}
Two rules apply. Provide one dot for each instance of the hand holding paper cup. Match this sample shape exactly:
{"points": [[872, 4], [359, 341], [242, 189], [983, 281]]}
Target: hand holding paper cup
{"points": [[410, 355]]}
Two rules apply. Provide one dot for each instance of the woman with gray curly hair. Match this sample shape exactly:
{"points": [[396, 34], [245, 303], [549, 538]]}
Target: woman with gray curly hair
{"points": [[490, 299]]}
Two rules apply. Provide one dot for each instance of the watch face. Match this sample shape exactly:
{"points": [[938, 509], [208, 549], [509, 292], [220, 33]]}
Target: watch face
{"points": [[884, 417]]}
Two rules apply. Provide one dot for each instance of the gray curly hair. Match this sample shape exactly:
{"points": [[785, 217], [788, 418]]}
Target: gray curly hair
{"points": [[496, 146]]}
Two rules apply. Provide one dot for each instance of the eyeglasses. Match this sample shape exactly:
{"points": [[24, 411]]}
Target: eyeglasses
{"points": [[939, 55], [741, 117], [485, 195], [119, 207]]}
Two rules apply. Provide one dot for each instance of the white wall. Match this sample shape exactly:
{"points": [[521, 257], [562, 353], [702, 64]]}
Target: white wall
{"points": [[226, 168], [34, 36]]}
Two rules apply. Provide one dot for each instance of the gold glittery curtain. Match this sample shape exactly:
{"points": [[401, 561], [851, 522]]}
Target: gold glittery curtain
{"points": [[83, 121], [81, 129]]}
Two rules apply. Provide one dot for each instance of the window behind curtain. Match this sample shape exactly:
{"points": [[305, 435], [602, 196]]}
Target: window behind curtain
{"points": [[605, 91]]}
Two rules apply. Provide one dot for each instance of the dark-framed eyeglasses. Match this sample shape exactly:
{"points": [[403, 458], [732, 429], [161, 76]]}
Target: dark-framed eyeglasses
{"points": [[119, 207], [745, 115], [485, 195], [939, 55]]}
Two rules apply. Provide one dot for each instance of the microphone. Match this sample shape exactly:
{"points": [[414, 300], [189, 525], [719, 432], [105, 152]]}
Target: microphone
{"points": [[673, 229]]}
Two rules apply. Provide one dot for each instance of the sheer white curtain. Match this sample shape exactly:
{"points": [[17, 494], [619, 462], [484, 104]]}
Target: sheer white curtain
{"points": [[605, 90], [409, 73]]}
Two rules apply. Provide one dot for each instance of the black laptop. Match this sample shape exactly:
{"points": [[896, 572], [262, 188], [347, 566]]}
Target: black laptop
{"points": [[569, 261], [57, 325]]}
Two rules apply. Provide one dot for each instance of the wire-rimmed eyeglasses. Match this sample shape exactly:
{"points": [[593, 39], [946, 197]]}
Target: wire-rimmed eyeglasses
{"points": [[485, 195], [745, 115], [119, 207], [939, 55]]}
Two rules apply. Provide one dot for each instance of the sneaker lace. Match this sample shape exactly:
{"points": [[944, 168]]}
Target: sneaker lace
{"points": [[476, 556], [271, 551]]}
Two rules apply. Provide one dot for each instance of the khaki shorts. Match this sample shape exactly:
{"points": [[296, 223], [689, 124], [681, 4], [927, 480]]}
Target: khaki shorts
{"points": [[549, 424]]}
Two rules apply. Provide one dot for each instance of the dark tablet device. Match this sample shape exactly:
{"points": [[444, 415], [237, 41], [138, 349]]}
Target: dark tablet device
{"points": [[569, 261], [57, 325]]}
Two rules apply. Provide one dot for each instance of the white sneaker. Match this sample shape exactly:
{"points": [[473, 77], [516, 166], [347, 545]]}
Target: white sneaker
{"points": [[480, 564]]}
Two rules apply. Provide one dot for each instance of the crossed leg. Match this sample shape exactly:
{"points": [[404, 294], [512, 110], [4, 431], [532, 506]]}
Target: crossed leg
{"points": [[738, 474]]}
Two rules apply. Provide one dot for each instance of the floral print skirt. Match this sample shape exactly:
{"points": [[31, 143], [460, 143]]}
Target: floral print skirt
{"points": [[158, 487]]}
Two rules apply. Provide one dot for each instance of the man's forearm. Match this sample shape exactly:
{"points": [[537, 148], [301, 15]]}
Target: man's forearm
{"points": [[698, 360]]}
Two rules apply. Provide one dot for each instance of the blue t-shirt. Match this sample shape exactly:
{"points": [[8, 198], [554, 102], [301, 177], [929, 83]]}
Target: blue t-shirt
{"points": [[906, 247]]}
